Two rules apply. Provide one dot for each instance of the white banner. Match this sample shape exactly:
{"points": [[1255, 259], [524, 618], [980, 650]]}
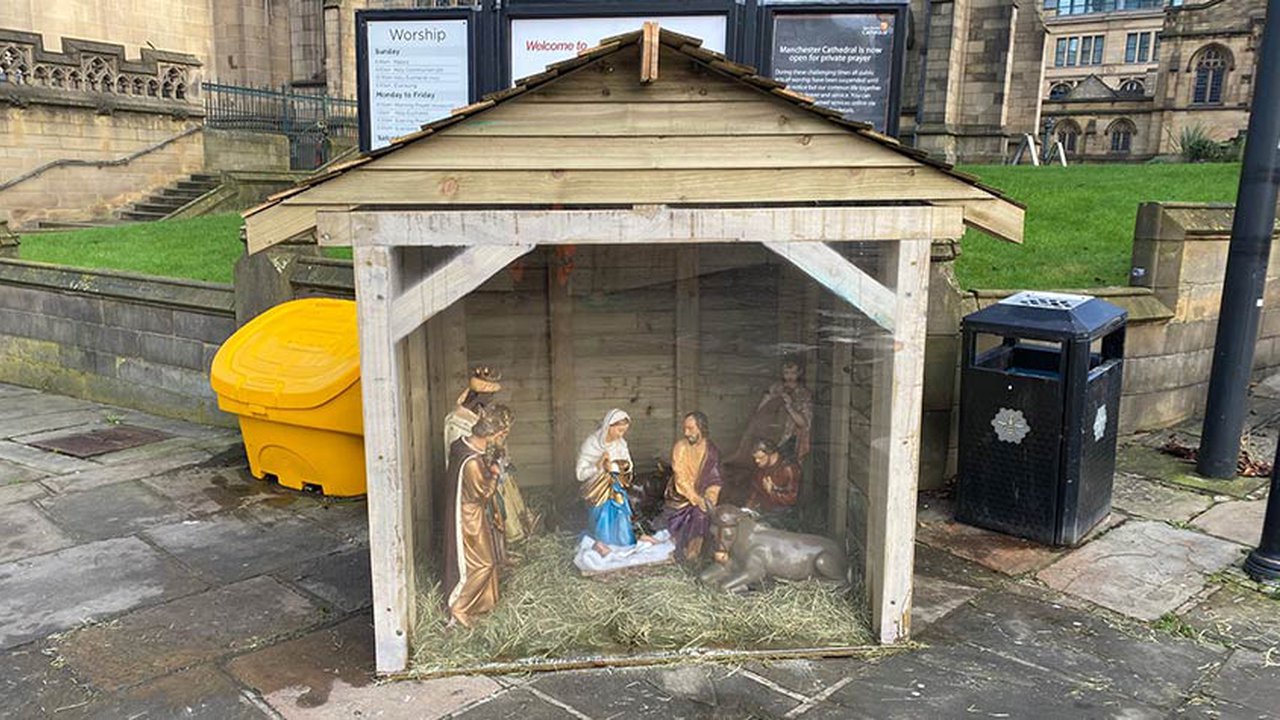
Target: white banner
{"points": [[538, 42], [418, 72]]}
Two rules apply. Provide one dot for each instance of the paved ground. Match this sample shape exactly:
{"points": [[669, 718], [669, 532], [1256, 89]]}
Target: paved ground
{"points": [[161, 581]]}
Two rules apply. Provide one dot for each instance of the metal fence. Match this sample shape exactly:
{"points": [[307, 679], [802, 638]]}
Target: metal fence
{"points": [[311, 122]]}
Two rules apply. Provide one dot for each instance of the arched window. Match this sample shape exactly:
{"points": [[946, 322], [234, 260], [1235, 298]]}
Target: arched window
{"points": [[139, 87], [58, 79], [1059, 91], [13, 66], [41, 75], [74, 82], [1211, 65], [153, 88], [1068, 133], [122, 85], [175, 84], [1121, 132], [1132, 87]]}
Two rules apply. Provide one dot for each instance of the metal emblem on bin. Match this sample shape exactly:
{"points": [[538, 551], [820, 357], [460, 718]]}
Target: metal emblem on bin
{"points": [[1010, 426], [1100, 423]]}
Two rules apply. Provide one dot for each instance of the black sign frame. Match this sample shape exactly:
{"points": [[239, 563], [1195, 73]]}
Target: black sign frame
{"points": [[569, 9], [767, 11], [477, 48]]}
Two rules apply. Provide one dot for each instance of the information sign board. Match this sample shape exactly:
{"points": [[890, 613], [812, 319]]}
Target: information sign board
{"points": [[538, 42], [414, 71]]}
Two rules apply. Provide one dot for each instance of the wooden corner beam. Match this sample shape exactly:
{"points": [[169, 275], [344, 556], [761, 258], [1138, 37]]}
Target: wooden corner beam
{"points": [[448, 284], [836, 273]]}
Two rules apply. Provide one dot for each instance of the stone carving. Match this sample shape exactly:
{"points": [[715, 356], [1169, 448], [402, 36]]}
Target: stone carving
{"points": [[750, 552], [95, 68]]}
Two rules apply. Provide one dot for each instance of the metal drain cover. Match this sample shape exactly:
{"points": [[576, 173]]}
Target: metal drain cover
{"points": [[101, 441]]}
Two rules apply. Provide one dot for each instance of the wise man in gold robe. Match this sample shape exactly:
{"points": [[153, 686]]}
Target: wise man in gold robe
{"points": [[472, 530], [518, 522]]}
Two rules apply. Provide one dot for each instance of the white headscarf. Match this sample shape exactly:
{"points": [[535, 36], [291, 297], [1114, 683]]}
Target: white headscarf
{"points": [[596, 445]]}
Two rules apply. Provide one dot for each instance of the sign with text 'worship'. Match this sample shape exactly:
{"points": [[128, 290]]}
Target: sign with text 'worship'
{"points": [[418, 71]]}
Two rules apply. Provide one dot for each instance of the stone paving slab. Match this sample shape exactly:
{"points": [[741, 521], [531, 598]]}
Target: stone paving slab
{"points": [[1078, 648], [328, 674], [204, 491], [1145, 498], [109, 511], [349, 519], [1238, 521], [249, 542], [12, 474], [806, 677], [137, 470], [24, 532], [8, 391], [31, 685], [1151, 463], [1251, 680], [679, 691], [968, 682], [1142, 569], [189, 631], [517, 704], [343, 580], [1003, 553], [61, 590], [50, 463], [934, 598], [21, 492], [1238, 616], [200, 693], [16, 424]]}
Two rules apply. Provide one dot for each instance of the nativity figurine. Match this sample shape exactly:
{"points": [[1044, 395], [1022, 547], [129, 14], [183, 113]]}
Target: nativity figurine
{"points": [[473, 539], [605, 472], [694, 488], [518, 522], [750, 552], [775, 482]]}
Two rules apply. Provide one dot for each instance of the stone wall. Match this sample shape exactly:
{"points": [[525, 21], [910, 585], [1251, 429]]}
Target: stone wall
{"points": [[1179, 261], [88, 129], [139, 342], [243, 150]]}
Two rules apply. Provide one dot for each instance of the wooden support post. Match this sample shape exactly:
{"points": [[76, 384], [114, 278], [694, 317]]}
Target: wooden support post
{"points": [[839, 425], [423, 426], [688, 330], [390, 535], [895, 457], [563, 380]]}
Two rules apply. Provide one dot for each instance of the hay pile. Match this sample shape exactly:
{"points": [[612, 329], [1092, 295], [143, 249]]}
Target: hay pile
{"points": [[548, 610]]}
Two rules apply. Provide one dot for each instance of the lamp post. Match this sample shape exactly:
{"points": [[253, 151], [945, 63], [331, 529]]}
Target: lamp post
{"points": [[1263, 564], [1246, 276]]}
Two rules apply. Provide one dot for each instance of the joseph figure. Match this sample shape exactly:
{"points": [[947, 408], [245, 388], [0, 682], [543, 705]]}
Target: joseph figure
{"points": [[472, 530], [694, 487]]}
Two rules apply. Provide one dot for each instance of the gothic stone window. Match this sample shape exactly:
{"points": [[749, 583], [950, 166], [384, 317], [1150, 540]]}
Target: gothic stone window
{"points": [[1211, 66], [1068, 133], [1059, 91], [175, 85], [13, 66], [1121, 132]]}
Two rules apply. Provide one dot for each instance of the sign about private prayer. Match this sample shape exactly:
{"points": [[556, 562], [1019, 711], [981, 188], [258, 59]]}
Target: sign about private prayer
{"points": [[538, 42], [418, 72], [843, 61]]}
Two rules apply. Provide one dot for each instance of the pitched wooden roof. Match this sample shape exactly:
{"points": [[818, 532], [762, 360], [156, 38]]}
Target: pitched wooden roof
{"points": [[572, 136]]}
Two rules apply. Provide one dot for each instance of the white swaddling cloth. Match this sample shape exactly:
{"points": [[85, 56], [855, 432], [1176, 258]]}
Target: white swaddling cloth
{"points": [[591, 562]]}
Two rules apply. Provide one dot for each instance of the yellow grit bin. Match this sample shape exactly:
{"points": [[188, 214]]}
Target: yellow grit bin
{"points": [[292, 375]]}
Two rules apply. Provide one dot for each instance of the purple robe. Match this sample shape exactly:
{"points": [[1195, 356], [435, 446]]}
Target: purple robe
{"points": [[683, 519]]}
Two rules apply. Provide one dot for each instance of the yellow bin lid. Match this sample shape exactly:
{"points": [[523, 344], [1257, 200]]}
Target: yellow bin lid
{"points": [[297, 355]]}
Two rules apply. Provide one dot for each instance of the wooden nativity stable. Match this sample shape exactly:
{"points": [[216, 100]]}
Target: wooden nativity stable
{"points": [[649, 227]]}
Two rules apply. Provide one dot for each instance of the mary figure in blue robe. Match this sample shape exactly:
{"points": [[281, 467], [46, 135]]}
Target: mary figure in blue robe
{"points": [[604, 473]]}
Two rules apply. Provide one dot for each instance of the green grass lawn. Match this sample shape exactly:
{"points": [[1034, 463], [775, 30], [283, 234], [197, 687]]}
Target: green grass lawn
{"points": [[1079, 224], [1079, 231], [203, 248]]}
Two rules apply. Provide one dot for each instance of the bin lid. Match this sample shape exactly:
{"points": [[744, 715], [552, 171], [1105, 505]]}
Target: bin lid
{"points": [[1048, 315], [297, 355]]}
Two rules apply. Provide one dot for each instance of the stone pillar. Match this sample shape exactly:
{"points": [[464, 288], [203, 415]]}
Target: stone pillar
{"points": [[941, 369], [8, 241]]}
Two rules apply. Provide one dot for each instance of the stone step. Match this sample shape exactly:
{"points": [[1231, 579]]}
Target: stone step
{"points": [[200, 185], [73, 224], [156, 206], [141, 216], [184, 195]]}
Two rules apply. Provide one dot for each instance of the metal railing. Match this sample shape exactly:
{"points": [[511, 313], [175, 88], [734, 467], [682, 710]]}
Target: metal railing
{"points": [[311, 122]]}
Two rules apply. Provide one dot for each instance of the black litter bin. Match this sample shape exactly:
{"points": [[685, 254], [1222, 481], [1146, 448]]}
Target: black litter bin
{"points": [[1039, 402]]}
